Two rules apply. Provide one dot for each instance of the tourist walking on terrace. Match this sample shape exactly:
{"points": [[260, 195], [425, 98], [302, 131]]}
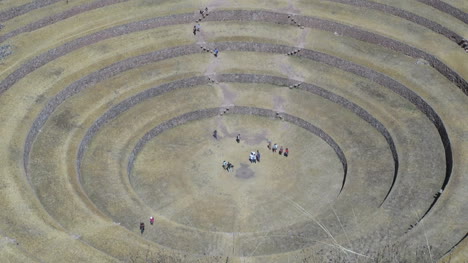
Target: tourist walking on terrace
{"points": [[281, 150], [238, 138], [215, 134], [215, 52], [142, 227], [286, 152], [275, 147], [151, 220], [269, 145], [225, 165], [258, 156]]}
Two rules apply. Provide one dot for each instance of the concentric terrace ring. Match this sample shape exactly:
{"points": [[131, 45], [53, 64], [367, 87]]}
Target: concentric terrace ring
{"points": [[109, 107]]}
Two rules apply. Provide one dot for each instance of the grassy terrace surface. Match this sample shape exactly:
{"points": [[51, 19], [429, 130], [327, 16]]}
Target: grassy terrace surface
{"points": [[108, 108]]}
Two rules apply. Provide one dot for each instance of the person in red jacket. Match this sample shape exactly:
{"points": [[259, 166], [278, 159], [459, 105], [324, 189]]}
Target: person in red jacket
{"points": [[151, 220], [286, 152]]}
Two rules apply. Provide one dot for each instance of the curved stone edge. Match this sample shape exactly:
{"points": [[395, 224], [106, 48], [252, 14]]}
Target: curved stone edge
{"points": [[23, 9], [345, 65], [59, 17], [367, 73], [241, 110], [94, 78], [235, 110], [93, 38], [232, 15], [345, 30], [446, 8], [391, 44], [343, 102], [242, 78], [122, 68], [212, 112], [456, 245], [422, 21], [397, 88]]}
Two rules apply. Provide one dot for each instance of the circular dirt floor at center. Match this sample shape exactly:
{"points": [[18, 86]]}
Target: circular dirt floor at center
{"points": [[254, 197]]}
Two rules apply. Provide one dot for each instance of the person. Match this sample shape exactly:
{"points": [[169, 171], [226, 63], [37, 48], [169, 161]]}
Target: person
{"points": [[194, 30], [215, 134], [229, 167], [281, 150], [238, 138], [286, 152], [142, 227], [215, 52], [269, 145], [253, 157], [258, 156], [197, 27], [275, 147], [151, 220], [225, 165]]}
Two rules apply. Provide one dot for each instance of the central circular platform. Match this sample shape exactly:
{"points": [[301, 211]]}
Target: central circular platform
{"points": [[179, 174]]}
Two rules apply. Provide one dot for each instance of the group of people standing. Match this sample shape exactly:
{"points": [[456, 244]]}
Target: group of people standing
{"points": [[254, 157], [281, 151], [228, 166]]}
